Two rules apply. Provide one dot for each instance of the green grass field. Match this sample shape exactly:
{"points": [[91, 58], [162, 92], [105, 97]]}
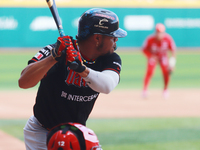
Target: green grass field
{"points": [[125, 134], [130, 134], [186, 74]]}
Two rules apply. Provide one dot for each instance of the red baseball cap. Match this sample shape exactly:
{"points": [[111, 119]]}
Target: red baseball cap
{"points": [[160, 27]]}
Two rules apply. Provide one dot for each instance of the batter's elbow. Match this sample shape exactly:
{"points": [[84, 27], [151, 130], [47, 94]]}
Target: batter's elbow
{"points": [[108, 89], [21, 84]]}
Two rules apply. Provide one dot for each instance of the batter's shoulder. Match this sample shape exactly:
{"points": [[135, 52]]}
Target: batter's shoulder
{"points": [[113, 56], [111, 62]]}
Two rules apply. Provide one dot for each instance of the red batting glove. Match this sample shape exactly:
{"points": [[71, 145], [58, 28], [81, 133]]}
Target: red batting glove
{"points": [[72, 56], [61, 45]]}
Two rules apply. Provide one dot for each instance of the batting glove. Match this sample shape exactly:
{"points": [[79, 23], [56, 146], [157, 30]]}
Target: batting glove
{"points": [[73, 60], [61, 45]]}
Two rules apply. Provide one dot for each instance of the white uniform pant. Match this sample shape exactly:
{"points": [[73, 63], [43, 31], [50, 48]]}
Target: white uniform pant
{"points": [[35, 135]]}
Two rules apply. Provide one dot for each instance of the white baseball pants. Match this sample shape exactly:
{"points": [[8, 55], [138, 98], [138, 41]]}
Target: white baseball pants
{"points": [[35, 135]]}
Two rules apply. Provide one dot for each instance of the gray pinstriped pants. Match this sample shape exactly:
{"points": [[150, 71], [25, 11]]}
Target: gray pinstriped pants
{"points": [[35, 135]]}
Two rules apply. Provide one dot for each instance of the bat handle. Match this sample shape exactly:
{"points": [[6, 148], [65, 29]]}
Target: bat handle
{"points": [[73, 64], [61, 32]]}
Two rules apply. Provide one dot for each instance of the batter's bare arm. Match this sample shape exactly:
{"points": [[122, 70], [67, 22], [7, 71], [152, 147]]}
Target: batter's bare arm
{"points": [[34, 72]]}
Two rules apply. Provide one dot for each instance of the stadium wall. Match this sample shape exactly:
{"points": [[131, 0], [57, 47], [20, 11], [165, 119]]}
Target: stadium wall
{"points": [[34, 26]]}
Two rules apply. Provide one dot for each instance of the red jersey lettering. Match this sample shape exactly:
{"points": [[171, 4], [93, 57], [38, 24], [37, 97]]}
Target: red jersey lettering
{"points": [[74, 78]]}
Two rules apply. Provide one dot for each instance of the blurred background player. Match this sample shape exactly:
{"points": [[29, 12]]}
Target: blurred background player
{"points": [[72, 136], [156, 49]]}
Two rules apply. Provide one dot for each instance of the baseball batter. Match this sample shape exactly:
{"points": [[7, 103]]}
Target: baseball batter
{"points": [[68, 94], [156, 49]]}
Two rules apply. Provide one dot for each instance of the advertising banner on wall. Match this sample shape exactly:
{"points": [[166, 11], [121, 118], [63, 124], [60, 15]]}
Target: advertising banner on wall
{"points": [[35, 27]]}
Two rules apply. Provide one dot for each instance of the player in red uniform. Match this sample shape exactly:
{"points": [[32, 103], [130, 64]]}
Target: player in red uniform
{"points": [[156, 49]]}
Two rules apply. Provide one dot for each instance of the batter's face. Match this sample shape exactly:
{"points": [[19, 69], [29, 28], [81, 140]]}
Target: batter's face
{"points": [[107, 45]]}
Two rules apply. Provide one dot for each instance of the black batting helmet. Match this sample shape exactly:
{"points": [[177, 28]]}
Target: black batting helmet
{"points": [[99, 21]]}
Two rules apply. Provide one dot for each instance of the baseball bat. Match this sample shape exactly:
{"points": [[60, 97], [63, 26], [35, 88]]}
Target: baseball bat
{"points": [[54, 12]]}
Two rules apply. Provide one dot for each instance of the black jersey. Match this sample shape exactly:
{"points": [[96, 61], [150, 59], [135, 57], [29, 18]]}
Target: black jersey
{"points": [[63, 95]]}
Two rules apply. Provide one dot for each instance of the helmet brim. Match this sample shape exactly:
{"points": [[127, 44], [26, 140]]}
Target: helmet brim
{"points": [[119, 33]]}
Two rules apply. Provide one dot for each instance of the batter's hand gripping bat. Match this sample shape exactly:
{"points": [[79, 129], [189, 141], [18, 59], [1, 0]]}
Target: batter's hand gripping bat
{"points": [[54, 12]]}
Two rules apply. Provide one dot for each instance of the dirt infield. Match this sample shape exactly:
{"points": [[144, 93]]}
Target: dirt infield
{"points": [[8, 142], [117, 104]]}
